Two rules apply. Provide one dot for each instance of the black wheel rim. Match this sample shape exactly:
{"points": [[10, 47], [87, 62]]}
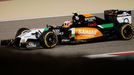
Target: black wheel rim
{"points": [[51, 39], [128, 32]]}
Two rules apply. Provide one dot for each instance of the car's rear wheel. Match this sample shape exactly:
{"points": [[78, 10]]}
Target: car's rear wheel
{"points": [[126, 32], [48, 39]]}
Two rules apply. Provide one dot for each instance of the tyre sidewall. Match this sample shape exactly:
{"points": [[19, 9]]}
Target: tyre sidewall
{"points": [[122, 33], [44, 42]]}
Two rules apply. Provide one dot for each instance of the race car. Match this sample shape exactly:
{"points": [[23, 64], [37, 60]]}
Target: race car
{"points": [[82, 28]]}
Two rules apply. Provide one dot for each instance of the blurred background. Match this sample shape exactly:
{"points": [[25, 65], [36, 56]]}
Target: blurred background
{"points": [[30, 9]]}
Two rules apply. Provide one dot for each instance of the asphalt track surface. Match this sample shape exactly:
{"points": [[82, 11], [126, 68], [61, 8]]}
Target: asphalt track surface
{"points": [[63, 59]]}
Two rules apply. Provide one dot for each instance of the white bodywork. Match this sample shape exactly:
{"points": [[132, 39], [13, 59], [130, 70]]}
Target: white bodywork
{"points": [[30, 34], [124, 18]]}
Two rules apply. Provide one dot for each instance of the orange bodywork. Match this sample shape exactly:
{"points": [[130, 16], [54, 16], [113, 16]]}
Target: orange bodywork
{"points": [[87, 33], [88, 15]]}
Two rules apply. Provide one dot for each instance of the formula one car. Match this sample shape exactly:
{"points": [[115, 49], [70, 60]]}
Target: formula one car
{"points": [[82, 28]]}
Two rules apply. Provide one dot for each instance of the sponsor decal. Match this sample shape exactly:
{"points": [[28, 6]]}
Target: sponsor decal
{"points": [[86, 33], [124, 19], [90, 19], [92, 24], [90, 32], [124, 14]]}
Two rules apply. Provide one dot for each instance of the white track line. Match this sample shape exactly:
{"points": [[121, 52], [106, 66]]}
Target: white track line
{"points": [[115, 54]]}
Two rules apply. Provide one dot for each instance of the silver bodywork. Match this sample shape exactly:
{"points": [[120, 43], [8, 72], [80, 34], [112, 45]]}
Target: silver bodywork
{"points": [[32, 34], [124, 18]]}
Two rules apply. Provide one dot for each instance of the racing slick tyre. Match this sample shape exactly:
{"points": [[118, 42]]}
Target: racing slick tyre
{"points": [[48, 39], [20, 31], [126, 32]]}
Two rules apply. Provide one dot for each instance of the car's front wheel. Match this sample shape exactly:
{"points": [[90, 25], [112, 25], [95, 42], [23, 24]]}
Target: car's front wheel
{"points": [[48, 39]]}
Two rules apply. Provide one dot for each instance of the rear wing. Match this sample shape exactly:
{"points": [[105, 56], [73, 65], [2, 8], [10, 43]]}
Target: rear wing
{"points": [[118, 16]]}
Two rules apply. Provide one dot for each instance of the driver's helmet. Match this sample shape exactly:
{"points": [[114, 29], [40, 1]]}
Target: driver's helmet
{"points": [[67, 24], [75, 18], [78, 19]]}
